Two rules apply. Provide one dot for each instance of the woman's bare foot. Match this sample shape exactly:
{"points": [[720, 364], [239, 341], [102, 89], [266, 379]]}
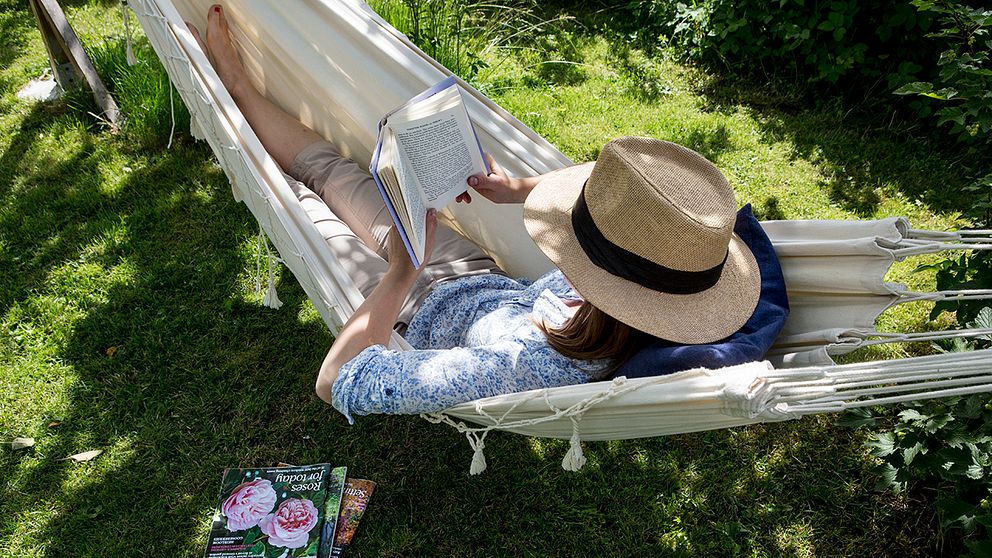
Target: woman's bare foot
{"points": [[221, 52], [282, 135]]}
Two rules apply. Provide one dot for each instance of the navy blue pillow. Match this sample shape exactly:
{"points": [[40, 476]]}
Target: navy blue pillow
{"points": [[750, 342]]}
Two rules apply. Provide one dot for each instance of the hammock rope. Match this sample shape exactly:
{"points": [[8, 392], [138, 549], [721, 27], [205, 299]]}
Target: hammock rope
{"points": [[129, 51], [774, 396], [285, 48]]}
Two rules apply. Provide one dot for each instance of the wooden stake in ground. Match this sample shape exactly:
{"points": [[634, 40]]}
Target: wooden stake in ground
{"points": [[69, 62]]}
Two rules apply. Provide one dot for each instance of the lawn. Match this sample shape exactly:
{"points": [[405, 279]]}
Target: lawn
{"points": [[130, 322]]}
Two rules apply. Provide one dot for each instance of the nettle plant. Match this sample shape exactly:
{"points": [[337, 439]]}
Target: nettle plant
{"points": [[948, 443], [963, 86], [945, 443]]}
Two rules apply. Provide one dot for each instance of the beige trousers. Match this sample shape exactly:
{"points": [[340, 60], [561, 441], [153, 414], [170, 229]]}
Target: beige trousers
{"points": [[359, 223]]}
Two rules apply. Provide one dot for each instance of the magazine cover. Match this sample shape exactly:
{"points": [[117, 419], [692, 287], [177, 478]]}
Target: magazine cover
{"points": [[273, 512], [357, 493], [335, 489]]}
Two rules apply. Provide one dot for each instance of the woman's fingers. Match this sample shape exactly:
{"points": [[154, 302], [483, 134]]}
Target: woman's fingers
{"points": [[496, 168]]}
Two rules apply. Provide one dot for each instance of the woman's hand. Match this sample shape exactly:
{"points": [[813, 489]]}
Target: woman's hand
{"points": [[497, 187], [399, 260], [373, 321]]}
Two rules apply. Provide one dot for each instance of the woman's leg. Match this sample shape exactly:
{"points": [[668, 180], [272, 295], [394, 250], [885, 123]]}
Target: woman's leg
{"points": [[336, 179], [282, 135], [343, 186]]}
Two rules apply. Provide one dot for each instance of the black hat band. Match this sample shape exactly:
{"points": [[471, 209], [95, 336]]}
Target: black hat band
{"points": [[632, 267]]}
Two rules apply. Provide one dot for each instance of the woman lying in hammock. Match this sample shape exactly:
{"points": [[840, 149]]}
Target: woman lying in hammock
{"points": [[643, 239]]}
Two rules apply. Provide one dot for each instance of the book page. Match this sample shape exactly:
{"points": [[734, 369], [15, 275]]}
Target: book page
{"points": [[416, 211], [438, 153], [407, 202], [436, 137]]}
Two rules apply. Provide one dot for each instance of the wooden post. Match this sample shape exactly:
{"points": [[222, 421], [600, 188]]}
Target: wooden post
{"points": [[69, 62]]}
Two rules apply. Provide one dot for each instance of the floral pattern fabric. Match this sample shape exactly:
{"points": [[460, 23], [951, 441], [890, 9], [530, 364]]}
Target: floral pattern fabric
{"points": [[473, 337]]}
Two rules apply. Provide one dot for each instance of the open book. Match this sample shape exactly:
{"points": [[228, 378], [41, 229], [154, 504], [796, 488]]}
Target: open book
{"points": [[427, 149]]}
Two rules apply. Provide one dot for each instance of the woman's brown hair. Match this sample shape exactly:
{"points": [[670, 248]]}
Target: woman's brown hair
{"points": [[591, 334]]}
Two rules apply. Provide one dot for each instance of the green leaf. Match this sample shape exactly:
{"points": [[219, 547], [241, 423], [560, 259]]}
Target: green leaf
{"points": [[914, 88], [258, 549], [983, 321], [944, 94], [908, 415], [888, 476], [884, 444], [958, 511], [911, 452], [974, 472], [836, 19], [856, 418], [252, 535], [985, 520]]}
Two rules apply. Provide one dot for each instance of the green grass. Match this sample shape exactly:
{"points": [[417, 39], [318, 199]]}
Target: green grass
{"points": [[128, 313]]}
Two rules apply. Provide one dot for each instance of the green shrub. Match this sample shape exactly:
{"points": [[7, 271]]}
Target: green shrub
{"points": [[944, 444], [963, 84], [810, 40], [947, 444]]}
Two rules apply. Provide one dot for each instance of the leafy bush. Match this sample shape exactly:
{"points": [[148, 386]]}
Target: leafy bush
{"points": [[963, 84], [810, 40], [946, 444], [968, 271], [942, 443]]}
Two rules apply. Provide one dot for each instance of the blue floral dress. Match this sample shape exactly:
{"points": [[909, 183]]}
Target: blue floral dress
{"points": [[473, 337]]}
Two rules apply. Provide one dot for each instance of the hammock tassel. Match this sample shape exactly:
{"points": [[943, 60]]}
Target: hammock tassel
{"points": [[196, 130], [478, 458], [131, 60], [574, 460], [271, 298]]}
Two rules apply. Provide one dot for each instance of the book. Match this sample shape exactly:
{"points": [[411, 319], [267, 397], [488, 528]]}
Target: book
{"points": [[425, 151], [357, 493], [269, 512], [332, 509]]}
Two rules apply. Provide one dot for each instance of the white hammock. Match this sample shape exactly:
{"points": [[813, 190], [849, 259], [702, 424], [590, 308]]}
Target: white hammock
{"points": [[338, 67]]}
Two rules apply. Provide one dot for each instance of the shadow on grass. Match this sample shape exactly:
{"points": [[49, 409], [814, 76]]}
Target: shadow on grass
{"points": [[770, 210], [865, 157], [177, 377]]}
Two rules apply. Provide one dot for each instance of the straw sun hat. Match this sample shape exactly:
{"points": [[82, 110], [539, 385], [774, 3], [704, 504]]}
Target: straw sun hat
{"points": [[646, 234]]}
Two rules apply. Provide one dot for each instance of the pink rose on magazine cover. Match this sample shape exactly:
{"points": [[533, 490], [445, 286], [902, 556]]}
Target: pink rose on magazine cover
{"points": [[290, 525], [248, 504]]}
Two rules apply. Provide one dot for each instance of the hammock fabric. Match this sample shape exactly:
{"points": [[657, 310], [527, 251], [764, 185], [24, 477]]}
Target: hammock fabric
{"points": [[337, 66]]}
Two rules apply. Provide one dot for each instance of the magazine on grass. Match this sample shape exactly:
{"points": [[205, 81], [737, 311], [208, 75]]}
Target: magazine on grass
{"points": [[357, 493], [271, 512], [332, 510], [426, 150]]}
